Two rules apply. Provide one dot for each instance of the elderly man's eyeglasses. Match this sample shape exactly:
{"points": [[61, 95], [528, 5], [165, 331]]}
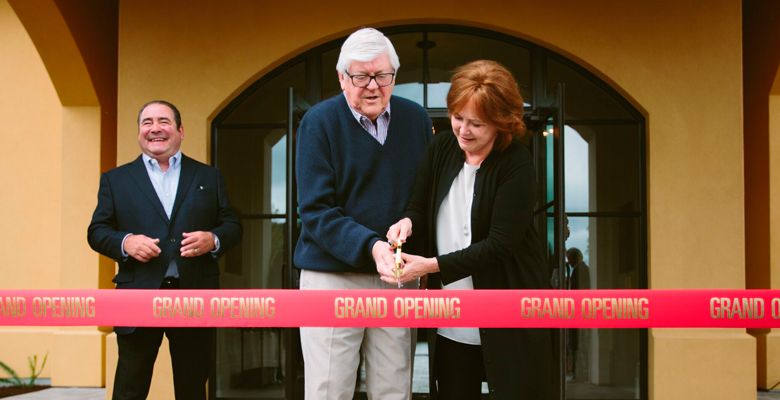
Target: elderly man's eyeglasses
{"points": [[362, 81]]}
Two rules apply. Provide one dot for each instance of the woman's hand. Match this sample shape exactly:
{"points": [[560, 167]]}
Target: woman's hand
{"points": [[414, 267], [399, 231]]}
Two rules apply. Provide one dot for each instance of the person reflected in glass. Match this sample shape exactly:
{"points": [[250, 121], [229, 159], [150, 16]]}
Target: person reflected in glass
{"points": [[577, 277], [577, 272], [472, 204]]}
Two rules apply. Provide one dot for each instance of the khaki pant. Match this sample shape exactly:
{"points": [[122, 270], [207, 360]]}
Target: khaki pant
{"points": [[331, 355]]}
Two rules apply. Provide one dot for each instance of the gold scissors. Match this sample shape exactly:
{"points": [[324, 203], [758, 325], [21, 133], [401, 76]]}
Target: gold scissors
{"points": [[398, 271]]}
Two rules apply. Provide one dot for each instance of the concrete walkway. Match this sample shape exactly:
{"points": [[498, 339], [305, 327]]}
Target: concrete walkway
{"points": [[773, 395], [63, 394], [100, 394], [419, 384]]}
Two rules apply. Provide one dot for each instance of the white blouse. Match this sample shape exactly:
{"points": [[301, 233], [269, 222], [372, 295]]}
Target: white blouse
{"points": [[453, 232]]}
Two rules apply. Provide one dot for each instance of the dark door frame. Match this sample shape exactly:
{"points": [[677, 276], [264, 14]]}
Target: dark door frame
{"points": [[541, 97]]}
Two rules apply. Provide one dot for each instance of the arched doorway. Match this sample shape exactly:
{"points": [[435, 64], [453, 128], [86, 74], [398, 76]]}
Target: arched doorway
{"points": [[600, 164]]}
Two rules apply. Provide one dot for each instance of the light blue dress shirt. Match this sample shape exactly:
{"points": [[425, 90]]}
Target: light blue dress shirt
{"points": [[165, 184]]}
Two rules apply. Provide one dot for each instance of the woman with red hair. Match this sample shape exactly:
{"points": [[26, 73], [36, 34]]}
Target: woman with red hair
{"points": [[472, 205]]}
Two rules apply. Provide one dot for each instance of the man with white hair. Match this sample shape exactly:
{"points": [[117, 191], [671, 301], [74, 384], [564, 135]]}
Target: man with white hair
{"points": [[357, 156]]}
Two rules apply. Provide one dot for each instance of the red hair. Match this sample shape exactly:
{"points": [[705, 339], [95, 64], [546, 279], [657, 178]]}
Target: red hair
{"points": [[496, 98]]}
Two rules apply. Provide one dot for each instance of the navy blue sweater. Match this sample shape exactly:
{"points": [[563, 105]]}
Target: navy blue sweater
{"points": [[350, 187]]}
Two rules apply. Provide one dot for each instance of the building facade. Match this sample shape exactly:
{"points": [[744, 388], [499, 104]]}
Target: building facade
{"points": [[669, 111]]}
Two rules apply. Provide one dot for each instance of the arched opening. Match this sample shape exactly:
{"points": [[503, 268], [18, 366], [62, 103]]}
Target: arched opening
{"points": [[604, 190]]}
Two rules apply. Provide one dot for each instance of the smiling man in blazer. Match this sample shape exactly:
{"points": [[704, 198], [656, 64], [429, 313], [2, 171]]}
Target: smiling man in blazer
{"points": [[165, 218]]}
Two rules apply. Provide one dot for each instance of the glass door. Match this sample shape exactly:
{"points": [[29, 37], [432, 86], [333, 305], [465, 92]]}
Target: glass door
{"points": [[546, 126], [250, 361], [588, 248], [293, 371], [603, 180], [256, 157]]}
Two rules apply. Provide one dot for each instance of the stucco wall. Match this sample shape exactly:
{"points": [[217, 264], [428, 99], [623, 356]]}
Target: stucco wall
{"points": [[30, 172], [682, 68], [30, 158], [677, 61], [761, 39], [51, 151]]}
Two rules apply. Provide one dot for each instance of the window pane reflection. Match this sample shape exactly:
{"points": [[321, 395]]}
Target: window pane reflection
{"points": [[253, 161], [250, 361], [437, 94], [267, 103], [610, 247], [602, 166], [410, 56], [603, 363], [329, 79], [584, 97], [263, 245], [410, 91], [577, 170]]}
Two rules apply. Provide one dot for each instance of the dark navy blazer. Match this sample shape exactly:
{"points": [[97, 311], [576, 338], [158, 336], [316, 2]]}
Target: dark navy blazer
{"points": [[127, 203]]}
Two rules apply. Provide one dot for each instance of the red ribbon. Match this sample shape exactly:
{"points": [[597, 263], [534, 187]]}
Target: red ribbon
{"points": [[407, 308]]}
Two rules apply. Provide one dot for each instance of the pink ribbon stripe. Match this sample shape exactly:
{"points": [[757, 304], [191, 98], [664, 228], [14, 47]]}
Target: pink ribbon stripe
{"points": [[372, 308]]}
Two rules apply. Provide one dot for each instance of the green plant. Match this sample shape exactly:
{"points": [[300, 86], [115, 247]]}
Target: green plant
{"points": [[15, 380]]}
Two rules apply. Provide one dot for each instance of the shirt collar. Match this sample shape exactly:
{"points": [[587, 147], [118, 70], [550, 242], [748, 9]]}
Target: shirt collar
{"points": [[172, 162], [358, 116]]}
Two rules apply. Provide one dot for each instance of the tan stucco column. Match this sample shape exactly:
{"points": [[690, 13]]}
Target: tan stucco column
{"points": [[77, 353], [72, 51], [769, 342], [701, 364], [696, 229]]}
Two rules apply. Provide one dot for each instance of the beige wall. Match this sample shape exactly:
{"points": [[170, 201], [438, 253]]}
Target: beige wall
{"points": [[769, 342], [761, 61], [694, 119], [679, 61], [774, 173], [652, 55], [30, 158], [50, 166]]}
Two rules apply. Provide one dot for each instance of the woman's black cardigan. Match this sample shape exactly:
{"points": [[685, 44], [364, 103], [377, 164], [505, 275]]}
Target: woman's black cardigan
{"points": [[505, 253]]}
